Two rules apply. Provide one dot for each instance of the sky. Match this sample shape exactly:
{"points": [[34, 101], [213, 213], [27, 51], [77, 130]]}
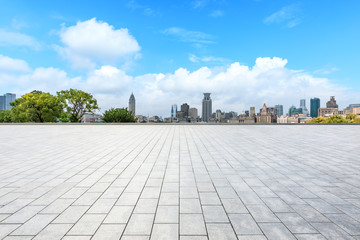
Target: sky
{"points": [[244, 52]]}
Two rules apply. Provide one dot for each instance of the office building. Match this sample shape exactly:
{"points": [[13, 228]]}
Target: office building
{"points": [[314, 107], [193, 113], [185, 108], [206, 107], [218, 115], [303, 107], [173, 110], [5, 101], [279, 110], [132, 104]]}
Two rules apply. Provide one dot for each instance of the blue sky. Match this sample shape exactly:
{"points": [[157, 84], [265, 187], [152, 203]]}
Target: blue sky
{"points": [[172, 51]]}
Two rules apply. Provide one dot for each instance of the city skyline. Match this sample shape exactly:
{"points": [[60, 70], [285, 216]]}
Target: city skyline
{"points": [[269, 59]]}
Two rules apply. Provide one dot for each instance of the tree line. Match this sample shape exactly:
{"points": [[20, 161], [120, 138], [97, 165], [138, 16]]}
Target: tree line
{"points": [[66, 106], [350, 118]]}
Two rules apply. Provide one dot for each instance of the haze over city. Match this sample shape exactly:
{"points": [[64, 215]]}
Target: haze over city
{"points": [[245, 53]]}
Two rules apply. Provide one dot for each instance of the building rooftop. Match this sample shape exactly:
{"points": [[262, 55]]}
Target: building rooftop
{"points": [[179, 182]]}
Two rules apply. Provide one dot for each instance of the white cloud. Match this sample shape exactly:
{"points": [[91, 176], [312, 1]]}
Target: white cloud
{"points": [[8, 38], [207, 59], [93, 42], [326, 70], [234, 87], [216, 13], [13, 65], [189, 36], [287, 15]]}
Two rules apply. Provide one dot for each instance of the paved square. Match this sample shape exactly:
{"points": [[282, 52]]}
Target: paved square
{"points": [[179, 182]]}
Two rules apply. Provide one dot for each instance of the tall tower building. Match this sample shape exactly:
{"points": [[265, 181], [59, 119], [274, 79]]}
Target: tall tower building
{"points": [[279, 110], [132, 104], [185, 108], [314, 107], [206, 107], [303, 107], [173, 110], [5, 101], [2, 103]]}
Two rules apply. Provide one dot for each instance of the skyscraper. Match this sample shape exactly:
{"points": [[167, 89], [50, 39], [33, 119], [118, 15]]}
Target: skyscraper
{"points": [[279, 110], [132, 104], [185, 108], [173, 110], [303, 107], [2, 103], [5, 101], [206, 107], [193, 113], [314, 107]]}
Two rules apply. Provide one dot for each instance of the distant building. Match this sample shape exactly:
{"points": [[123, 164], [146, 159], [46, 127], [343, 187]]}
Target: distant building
{"points": [[252, 112], [132, 104], [279, 110], [331, 103], [206, 107], [247, 113], [331, 109], [173, 110], [303, 107], [351, 106], [91, 118], [282, 119], [314, 107], [264, 116], [5, 101], [185, 108], [242, 118], [218, 115], [193, 113], [325, 112], [295, 111]]}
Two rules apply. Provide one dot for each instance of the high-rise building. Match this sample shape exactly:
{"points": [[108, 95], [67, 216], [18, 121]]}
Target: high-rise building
{"points": [[193, 113], [252, 111], [185, 108], [303, 107], [206, 107], [314, 107], [279, 110], [332, 103], [132, 104], [5, 101], [292, 110], [218, 114], [173, 110], [2, 103]]}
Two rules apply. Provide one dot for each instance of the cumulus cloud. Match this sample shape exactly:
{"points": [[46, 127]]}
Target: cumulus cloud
{"points": [[13, 65], [90, 43], [234, 87], [8, 38]]}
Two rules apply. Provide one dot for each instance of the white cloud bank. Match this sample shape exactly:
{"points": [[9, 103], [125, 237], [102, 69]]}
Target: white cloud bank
{"points": [[90, 43], [234, 87]]}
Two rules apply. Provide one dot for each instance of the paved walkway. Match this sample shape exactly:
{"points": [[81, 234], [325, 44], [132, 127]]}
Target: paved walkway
{"points": [[179, 182]]}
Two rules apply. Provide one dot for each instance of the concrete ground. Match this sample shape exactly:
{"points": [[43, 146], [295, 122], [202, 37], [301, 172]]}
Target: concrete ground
{"points": [[179, 182]]}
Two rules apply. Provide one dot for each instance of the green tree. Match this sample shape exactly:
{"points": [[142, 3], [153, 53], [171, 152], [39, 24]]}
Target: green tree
{"points": [[77, 103], [118, 115], [5, 116], [337, 119], [36, 106], [318, 120]]}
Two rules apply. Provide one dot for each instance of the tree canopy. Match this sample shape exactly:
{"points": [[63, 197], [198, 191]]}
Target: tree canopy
{"points": [[77, 103], [5, 116], [114, 115], [350, 118], [36, 106]]}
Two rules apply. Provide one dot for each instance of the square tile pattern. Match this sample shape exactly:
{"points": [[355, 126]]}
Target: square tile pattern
{"points": [[179, 182]]}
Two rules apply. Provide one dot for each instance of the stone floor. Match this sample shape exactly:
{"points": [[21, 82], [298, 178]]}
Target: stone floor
{"points": [[179, 182]]}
